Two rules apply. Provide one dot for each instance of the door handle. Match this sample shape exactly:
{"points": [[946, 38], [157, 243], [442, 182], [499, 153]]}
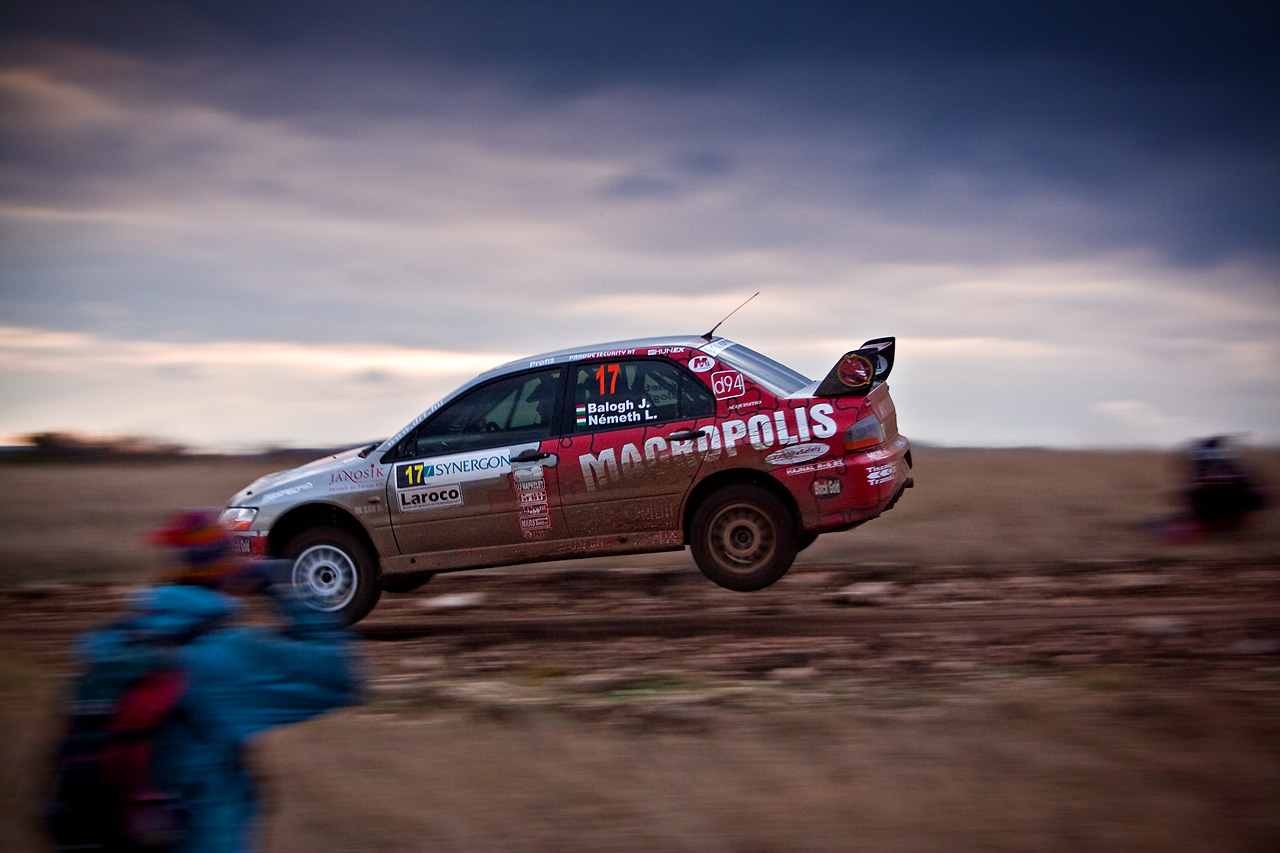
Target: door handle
{"points": [[531, 455], [687, 434]]}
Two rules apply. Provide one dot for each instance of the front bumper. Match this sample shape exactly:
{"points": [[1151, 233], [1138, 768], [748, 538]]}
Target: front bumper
{"points": [[250, 543]]}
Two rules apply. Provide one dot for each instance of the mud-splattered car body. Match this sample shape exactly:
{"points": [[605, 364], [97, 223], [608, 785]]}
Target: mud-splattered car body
{"points": [[636, 446]]}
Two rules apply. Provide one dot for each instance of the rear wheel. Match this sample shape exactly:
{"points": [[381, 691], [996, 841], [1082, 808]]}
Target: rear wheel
{"points": [[334, 572], [743, 538]]}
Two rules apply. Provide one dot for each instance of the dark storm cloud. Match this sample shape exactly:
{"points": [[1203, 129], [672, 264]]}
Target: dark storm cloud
{"points": [[1162, 117], [585, 43], [580, 44]]}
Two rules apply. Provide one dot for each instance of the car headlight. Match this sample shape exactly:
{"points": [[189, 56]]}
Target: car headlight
{"points": [[238, 517], [867, 432]]}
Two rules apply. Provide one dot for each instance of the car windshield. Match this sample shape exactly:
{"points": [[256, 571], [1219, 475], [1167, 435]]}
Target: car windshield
{"points": [[778, 378]]}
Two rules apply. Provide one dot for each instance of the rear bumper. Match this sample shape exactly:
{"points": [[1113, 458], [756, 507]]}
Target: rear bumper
{"points": [[843, 493]]}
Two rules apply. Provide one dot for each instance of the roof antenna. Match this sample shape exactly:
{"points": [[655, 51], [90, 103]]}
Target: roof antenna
{"points": [[709, 334]]}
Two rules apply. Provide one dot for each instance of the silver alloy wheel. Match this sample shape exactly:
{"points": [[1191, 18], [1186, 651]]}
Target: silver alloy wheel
{"points": [[742, 537], [326, 577]]}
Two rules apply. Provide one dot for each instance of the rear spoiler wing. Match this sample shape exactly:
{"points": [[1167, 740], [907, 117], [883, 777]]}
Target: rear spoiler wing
{"points": [[858, 371]]}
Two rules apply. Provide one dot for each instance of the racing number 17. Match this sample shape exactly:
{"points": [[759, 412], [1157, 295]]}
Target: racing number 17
{"points": [[613, 381]]}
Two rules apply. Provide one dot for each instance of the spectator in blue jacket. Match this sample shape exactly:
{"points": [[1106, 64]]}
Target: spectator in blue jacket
{"points": [[242, 679]]}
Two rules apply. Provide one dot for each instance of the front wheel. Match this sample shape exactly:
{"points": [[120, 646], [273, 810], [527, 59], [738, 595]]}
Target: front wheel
{"points": [[743, 538], [334, 572]]}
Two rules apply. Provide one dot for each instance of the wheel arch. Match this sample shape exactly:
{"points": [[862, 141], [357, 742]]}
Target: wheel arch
{"points": [[733, 477], [308, 516]]}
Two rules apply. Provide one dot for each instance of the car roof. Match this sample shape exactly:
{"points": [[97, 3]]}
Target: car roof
{"points": [[633, 347], [636, 346]]}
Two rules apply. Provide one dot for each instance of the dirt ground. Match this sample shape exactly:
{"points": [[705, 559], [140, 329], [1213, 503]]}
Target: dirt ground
{"points": [[1007, 661]]}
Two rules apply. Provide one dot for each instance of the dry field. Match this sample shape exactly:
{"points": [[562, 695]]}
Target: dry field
{"points": [[1006, 661]]}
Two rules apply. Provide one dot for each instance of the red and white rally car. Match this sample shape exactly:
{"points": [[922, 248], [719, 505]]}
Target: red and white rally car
{"points": [[622, 448]]}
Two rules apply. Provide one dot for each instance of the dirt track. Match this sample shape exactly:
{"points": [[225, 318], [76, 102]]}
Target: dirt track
{"points": [[824, 623], [1033, 671], [1107, 705], [556, 626]]}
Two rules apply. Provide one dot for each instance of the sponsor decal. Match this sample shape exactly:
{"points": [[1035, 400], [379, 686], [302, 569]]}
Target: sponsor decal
{"points": [[745, 404], [531, 496], [430, 497], [284, 493], [716, 347], [817, 466], [701, 363], [356, 479], [826, 487], [542, 362], [856, 370], [613, 353], [796, 454], [727, 384], [527, 476], [464, 467], [761, 432], [367, 509], [667, 351], [881, 474]]}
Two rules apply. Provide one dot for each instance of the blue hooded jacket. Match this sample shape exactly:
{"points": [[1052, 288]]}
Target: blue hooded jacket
{"points": [[242, 680]]}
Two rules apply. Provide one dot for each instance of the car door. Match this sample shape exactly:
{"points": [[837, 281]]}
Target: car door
{"points": [[482, 471], [628, 453]]}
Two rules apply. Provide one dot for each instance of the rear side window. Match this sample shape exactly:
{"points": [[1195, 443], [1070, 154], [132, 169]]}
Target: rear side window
{"points": [[623, 394], [777, 377]]}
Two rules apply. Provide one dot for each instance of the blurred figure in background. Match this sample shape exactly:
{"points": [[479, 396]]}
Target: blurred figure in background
{"points": [[169, 757], [1220, 492]]}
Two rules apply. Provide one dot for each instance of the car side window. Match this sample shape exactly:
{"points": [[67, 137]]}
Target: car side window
{"points": [[513, 410], [623, 394]]}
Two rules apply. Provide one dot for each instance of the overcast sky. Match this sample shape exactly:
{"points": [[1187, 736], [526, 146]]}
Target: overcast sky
{"points": [[234, 224]]}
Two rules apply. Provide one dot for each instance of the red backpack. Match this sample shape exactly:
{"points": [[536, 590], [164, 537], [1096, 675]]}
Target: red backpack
{"points": [[104, 797]]}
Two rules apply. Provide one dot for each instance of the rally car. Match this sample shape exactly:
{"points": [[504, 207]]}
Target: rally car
{"points": [[621, 448]]}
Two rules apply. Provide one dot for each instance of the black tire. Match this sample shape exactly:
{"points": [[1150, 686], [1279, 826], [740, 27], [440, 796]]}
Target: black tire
{"points": [[743, 538], [804, 540], [334, 572]]}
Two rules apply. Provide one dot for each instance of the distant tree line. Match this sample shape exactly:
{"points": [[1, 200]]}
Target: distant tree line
{"points": [[66, 445]]}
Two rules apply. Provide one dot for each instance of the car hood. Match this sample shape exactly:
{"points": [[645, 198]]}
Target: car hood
{"points": [[347, 471]]}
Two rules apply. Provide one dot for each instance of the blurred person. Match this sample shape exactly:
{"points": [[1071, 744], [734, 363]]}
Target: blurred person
{"points": [[191, 788], [1220, 492]]}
